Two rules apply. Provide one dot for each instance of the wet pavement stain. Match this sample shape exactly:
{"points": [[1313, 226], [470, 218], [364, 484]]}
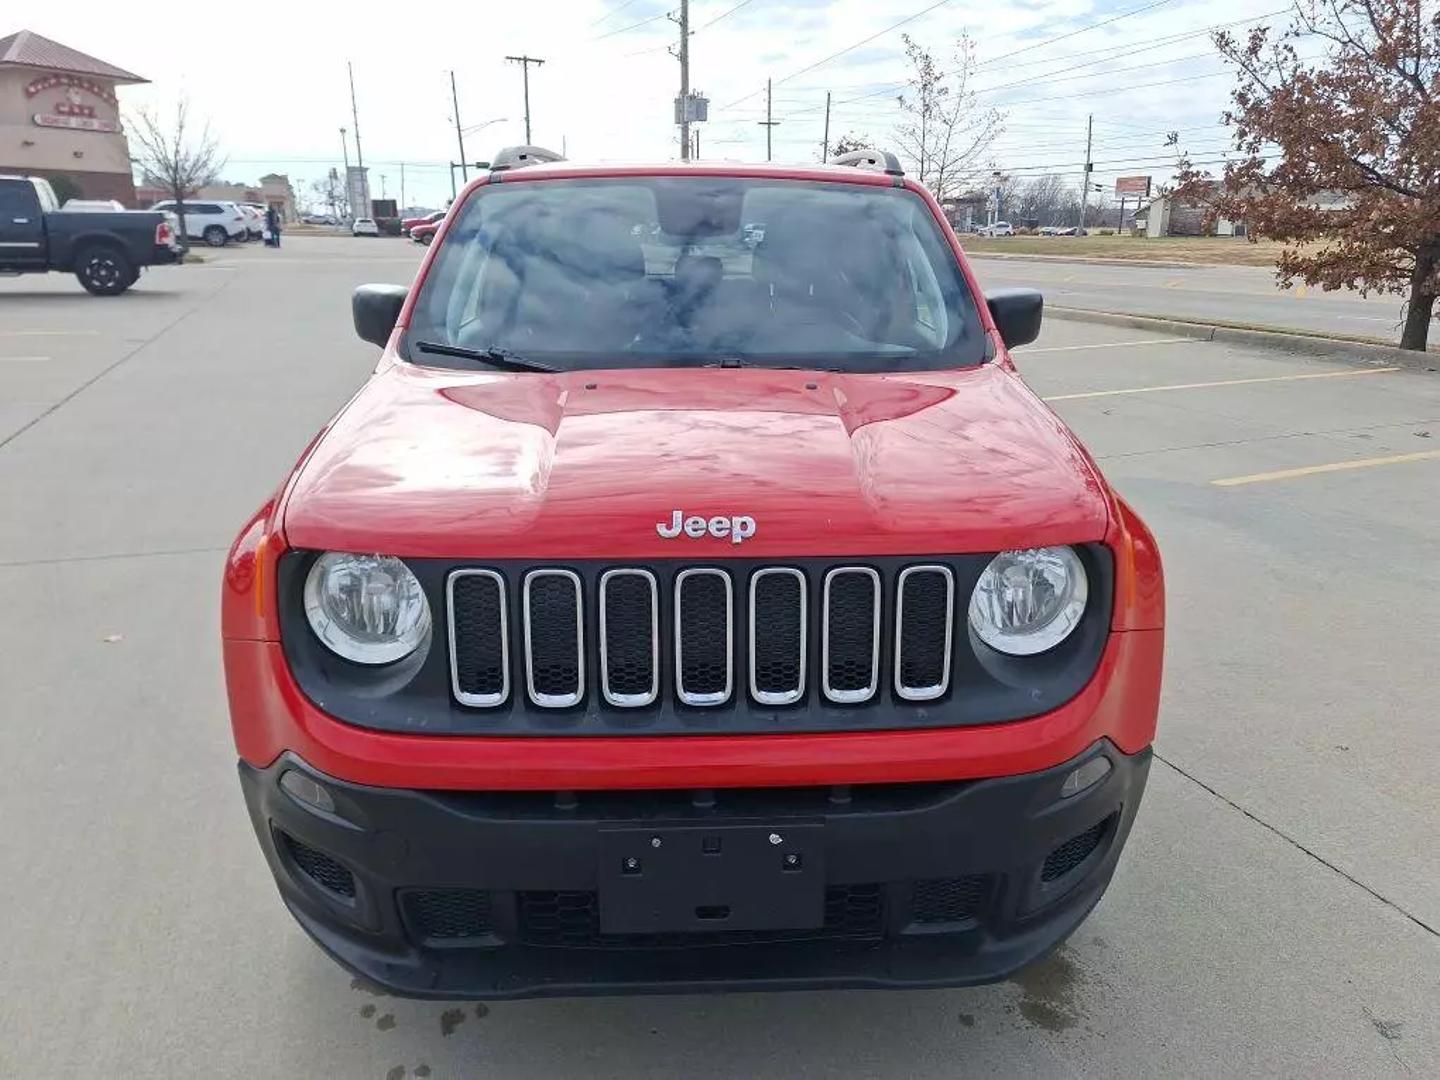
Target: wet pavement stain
{"points": [[367, 1011], [481, 1010], [422, 1070], [386, 1022], [365, 986], [1049, 993], [1388, 1029], [966, 1020], [397, 1073], [450, 1019]]}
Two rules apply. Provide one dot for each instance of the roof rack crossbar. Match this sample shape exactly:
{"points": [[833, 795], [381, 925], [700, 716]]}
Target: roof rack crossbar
{"points": [[517, 157], [876, 160]]}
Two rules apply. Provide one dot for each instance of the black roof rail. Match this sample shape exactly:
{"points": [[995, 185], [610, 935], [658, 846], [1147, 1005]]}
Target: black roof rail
{"points": [[877, 160], [517, 157]]}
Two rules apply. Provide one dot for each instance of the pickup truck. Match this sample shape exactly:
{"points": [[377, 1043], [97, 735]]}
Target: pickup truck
{"points": [[105, 251]]}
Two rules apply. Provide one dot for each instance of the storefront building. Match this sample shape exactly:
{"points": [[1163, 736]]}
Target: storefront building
{"points": [[59, 118]]}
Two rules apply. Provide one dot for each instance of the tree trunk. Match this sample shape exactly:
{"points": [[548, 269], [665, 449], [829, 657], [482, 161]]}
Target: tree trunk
{"points": [[1421, 308]]}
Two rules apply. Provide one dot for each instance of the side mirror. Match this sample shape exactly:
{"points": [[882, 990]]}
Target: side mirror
{"points": [[375, 309], [1016, 313]]}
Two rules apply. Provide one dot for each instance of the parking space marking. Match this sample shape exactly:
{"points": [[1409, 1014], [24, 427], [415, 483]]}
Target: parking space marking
{"points": [[1224, 382], [49, 333], [1333, 466], [23, 359], [1107, 345]]}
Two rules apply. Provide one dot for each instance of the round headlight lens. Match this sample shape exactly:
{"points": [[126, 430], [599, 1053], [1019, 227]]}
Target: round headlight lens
{"points": [[369, 609], [1029, 601]]}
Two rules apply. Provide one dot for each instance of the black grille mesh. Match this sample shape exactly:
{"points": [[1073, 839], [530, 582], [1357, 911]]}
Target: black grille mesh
{"points": [[479, 642], [554, 635], [779, 618], [629, 631], [571, 920], [319, 867], [1073, 852], [704, 626], [942, 900], [852, 632], [925, 615], [447, 914]]}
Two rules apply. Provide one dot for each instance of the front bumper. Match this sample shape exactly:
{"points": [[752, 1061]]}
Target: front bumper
{"points": [[496, 894]]}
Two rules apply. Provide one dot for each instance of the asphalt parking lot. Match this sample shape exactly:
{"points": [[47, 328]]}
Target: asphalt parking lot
{"points": [[1277, 911]]}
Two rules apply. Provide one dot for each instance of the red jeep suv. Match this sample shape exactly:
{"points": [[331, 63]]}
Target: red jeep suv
{"points": [[695, 597]]}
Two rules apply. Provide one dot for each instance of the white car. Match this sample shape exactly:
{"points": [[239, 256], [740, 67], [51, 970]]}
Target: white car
{"points": [[217, 223], [364, 226], [254, 219], [1000, 228], [92, 206]]}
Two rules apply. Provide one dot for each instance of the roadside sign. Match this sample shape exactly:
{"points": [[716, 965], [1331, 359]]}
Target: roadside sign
{"points": [[1132, 185]]}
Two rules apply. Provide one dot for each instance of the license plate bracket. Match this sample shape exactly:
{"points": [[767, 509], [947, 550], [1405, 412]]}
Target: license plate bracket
{"points": [[700, 878]]}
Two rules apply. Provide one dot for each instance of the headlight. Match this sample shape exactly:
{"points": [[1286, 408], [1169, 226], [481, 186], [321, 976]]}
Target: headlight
{"points": [[366, 608], [1028, 601]]}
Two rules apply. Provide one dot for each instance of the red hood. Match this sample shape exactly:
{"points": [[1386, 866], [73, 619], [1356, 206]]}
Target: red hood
{"points": [[429, 462]]}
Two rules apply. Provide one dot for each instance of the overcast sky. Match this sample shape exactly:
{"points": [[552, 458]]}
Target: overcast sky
{"points": [[277, 95]]}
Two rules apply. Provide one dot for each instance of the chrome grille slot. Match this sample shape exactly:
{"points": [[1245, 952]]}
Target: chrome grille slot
{"points": [[777, 636], [850, 642], [924, 615], [479, 637], [629, 638], [704, 637], [554, 638]]}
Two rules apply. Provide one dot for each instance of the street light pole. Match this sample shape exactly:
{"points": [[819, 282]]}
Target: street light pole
{"points": [[459, 135], [345, 153]]}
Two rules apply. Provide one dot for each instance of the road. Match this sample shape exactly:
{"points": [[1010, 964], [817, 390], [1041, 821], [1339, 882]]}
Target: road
{"points": [[1232, 294], [1274, 914]]}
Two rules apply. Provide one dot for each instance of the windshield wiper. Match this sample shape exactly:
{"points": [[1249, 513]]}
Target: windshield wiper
{"points": [[503, 359], [741, 362]]}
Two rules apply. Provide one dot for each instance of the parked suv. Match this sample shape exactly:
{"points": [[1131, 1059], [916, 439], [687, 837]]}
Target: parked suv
{"points": [[667, 614], [216, 223]]}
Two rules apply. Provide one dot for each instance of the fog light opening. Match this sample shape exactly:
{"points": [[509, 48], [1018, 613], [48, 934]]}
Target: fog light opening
{"points": [[1087, 775], [305, 790]]}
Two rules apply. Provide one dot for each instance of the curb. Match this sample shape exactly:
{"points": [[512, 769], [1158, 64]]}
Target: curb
{"points": [[1289, 341], [1095, 260]]}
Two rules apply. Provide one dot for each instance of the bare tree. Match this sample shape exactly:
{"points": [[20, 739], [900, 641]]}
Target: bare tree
{"points": [[172, 155], [850, 141], [944, 134], [1045, 199]]}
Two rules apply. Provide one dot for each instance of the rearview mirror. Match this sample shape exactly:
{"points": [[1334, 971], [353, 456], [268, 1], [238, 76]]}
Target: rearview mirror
{"points": [[375, 309], [1017, 314]]}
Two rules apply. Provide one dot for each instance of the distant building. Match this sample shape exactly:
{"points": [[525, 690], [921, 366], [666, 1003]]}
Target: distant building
{"points": [[272, 191], [59, 118], [963, 211]]}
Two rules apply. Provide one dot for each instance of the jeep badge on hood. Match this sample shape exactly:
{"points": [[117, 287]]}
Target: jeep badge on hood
{"points": [[739, 527]]}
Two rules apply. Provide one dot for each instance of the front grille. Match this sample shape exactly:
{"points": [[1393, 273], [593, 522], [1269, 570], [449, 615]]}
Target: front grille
{"points": [[441, 915], [320, 868], [554, 637], [1074, 851], [673, 631], [571, 920], [629, 638], [479, 638], [777, 636], [705, 649], [924, 615], [946, 900], [851, 634]]}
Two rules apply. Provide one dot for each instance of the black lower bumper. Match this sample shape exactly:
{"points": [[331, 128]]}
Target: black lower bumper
{"points": [[493, 895]]}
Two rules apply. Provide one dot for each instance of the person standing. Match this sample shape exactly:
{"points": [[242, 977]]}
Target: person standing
{"points": [[272, 226]]}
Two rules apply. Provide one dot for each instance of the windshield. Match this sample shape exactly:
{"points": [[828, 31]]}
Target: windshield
{"points": [[654, 272]]}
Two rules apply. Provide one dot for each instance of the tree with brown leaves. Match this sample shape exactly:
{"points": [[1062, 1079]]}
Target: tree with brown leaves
{"points": [[1341, 151]]}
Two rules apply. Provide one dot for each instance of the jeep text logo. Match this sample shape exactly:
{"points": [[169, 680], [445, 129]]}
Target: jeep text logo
{"points": [[739, 527]]}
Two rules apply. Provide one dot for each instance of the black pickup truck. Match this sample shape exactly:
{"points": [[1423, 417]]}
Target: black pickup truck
{"points": [[105, 251]]}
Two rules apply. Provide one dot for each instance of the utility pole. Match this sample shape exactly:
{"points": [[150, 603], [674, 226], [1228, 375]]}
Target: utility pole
{"points": [[355, 113], [696, 154], [402, 183], [345, 151], [768, 124], [1085, 184], [684, 80], [459, 136], [825, 143], [525, 62]]}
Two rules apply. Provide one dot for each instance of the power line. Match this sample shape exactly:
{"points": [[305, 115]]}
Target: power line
{"points": [[725, 15], [613, 12], [632, 26]]}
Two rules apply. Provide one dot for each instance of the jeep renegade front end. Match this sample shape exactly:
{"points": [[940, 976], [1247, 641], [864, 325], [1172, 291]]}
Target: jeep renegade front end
{"points": [[695, 597]]}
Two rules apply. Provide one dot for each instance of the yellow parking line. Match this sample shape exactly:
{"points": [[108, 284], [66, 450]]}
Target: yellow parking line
{"points": [[48, 333], [1223, 382], [1106, 345], [1334, 466], [23, 359]]}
